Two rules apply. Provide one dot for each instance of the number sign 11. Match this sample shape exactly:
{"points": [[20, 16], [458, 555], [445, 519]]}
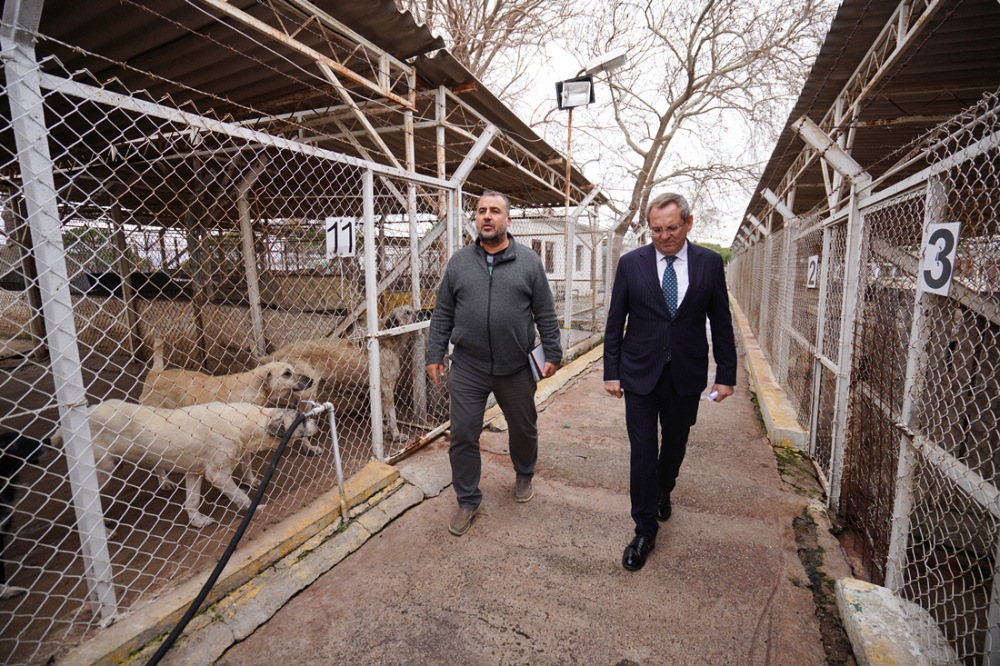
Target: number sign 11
{"points": [[937, 258], [339, 237]]}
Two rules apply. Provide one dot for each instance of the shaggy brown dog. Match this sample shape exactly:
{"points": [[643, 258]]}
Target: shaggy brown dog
{"points": [[341, 366]]}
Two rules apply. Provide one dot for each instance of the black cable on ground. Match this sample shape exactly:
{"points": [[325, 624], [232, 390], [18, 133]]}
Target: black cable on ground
{"points": [[230, 549]]}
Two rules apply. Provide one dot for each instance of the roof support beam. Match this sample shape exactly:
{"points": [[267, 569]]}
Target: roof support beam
{"points": [[831, 151], [321, 60], [482, 143], [779, 206], [901, 30], [332, 23], [358, 114], [756, 225]]}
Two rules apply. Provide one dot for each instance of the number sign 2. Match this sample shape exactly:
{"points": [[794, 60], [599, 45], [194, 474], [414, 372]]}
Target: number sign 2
{"points": [[937, 259], [812, 277], [339, 237]]}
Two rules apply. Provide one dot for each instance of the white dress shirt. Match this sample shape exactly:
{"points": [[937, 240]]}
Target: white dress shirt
{"points": [[680, 268]]}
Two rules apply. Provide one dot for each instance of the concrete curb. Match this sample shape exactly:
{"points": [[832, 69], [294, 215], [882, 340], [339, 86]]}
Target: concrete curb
{"points": [[494, 420], [233, 618], [157, 618], [888, 631], [779, 415]]}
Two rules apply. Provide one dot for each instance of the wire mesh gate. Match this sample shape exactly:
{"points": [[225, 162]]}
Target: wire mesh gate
{"points": [[898, 386], [208, 245]]}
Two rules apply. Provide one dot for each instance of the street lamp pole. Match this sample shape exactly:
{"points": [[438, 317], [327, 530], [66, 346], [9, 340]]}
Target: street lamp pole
{"points": [[570, 235], [572, 93]]}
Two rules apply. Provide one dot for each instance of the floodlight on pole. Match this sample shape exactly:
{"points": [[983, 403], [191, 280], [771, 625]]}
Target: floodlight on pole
{"points": [[579, 91]]}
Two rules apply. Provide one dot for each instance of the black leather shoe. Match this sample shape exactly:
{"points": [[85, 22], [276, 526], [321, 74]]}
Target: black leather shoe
{"points": [[663, 508], [635, 553]]}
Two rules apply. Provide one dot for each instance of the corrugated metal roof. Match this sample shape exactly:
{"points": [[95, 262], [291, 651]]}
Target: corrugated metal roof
{"points": [[954, 60], [187, 55]]}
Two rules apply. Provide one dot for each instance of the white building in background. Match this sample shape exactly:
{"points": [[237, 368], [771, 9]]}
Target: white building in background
{"points": [[547, 237]]}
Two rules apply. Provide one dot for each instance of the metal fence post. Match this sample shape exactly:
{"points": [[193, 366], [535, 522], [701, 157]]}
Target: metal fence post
{"points": [[568, 282], [852, 275], [787, 300], [419, 380], [250, 256], [764, 335], [824, 280], [371, 299], [935, 210], [31, 135], [992, 647]]}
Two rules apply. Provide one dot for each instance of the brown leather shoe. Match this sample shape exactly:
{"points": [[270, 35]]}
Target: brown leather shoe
{"points": [[461, 521], [523, 491]]}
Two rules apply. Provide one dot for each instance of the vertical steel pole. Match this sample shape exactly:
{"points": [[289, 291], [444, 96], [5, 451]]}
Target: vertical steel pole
{"points": [[787, 300], [250, 258], [125, 269], [765, 333], [852, 278], [418, 347], [41, 205], [824, 287], [992, 647], [341, 491], [935, 210], [570, 237], [371, 299]]}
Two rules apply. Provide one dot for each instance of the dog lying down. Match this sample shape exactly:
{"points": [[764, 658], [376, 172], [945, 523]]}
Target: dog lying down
{"points": [[209, 440], [273, 384], [16, 451]]}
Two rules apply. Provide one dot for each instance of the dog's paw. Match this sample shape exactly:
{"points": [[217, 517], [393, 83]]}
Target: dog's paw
{"points": [[310, 449], [11, 591], [200, 520], [399, 437], [252, 481], [167, 484]]}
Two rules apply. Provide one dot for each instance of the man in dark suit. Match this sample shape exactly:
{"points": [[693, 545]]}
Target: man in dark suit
{"points": [[665, 291]]}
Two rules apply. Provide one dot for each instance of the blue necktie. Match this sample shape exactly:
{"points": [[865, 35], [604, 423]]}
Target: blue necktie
{"points": [[670, 292], [670, 286]]}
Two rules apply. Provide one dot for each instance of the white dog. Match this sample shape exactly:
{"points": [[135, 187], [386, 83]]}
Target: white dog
{"points": [[209, 440], [273, 384]]}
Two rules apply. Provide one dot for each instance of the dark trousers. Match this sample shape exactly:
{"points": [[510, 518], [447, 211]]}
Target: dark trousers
{"points": [[470, 388], [655, 466]]}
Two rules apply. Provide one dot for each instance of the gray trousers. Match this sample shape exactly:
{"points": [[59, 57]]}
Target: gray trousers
{"points": [[470, 388]]}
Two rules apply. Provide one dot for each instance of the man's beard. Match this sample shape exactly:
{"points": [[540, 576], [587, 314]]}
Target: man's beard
{"points": [[498, 233]]}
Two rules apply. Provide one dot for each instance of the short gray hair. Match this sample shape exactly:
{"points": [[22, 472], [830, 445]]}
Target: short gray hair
{"points": [[667, 198], [494, 193]]}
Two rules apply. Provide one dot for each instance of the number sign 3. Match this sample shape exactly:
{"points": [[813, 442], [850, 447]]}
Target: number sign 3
{"points": [[937, 259]]}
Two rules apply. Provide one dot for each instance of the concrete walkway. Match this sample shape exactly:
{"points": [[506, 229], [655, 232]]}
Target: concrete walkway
{"points": [[542, 583]]}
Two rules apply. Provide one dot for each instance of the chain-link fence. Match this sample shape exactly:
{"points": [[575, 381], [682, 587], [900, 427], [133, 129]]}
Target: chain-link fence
{"points": [[582, 291], [171, 261], [890, 349]]}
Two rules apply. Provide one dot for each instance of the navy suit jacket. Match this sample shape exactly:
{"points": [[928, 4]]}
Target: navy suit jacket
{"points": [[636, 357]]}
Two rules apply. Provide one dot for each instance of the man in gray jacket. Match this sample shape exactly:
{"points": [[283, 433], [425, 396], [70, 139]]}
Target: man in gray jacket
{"points": [[493, 295]]}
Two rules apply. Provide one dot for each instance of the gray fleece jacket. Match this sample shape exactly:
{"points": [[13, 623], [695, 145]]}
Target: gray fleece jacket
{"points": [[491, 317]]}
